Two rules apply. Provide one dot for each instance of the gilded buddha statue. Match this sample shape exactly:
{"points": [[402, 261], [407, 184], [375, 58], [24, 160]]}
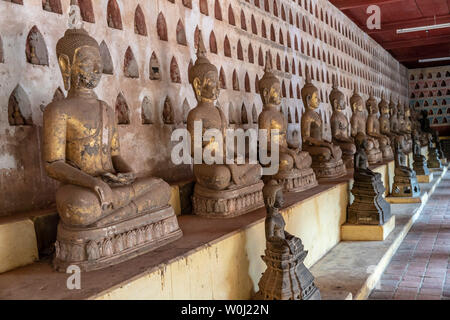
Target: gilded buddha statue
{"points": [[405, 179], [404, 127], [286, 276], [386, 118], [374, 128], [107, 215], [327, 157], [295, 173], [221, 190], [369, 206], [340, 126], [358, 122]]}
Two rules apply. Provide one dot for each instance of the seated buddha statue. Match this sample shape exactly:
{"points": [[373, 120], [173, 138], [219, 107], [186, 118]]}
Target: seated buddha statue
{"points": [[369, 206], [327, 157], [295, 173], [358, 122], [416, 125], [405, 179], [394, 121], [221, 190], [99, 189], [374, 128], [403, 127], [434, 160], [420, 165], [340, 126], [286, 276], [438, 144], [385, 120]]}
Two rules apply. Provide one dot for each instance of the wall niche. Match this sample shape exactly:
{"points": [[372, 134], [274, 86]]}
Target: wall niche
{"points": [[108, 67], [140, 27], [131, 69], [122, 110], [19, 108], [52, 6], [36, 49], [154, 67], [146, 111], [113, 15]]}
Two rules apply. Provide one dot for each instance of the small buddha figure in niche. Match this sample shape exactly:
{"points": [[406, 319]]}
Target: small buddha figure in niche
{"points": [[420, 165], [327, 157], [358, 122], [286, 276], [369, 206], [295, 173], [340, 126], [374, 128], [221, 190], [405, 179], [99, 189]]}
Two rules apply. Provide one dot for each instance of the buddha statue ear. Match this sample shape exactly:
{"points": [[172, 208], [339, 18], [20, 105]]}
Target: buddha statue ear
{"points": [[197, 88], [266, 95], [64, 65]]}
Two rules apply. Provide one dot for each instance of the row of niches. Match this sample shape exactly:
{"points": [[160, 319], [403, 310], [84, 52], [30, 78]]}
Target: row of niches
{"points": [[115, 21], [36, 53], [430, 84], [430, 93], [429, 103], [437, 75]]}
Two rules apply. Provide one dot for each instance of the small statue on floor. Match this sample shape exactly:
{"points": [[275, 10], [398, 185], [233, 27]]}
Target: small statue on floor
{"points": [[420, 162], [405, 179], [286, 276], [369, 206]]}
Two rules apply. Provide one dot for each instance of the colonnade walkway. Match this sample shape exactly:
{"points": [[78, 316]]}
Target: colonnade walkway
{"points": [[420, 269]]}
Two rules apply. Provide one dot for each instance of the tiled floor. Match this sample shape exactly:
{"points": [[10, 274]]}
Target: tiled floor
{"points": [[420, 269]]}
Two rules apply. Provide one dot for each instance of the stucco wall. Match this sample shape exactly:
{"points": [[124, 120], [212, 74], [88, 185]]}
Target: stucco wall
{"points": [[353, 56]]}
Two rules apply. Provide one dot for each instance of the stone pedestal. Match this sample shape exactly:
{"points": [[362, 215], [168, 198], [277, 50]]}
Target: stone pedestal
{"points": [[296, 180], [227, 203], [329, 170], [433, 159], [425, 178], [96, 248], [360, 232], [286, 277], [421, 198], [405, 187]]}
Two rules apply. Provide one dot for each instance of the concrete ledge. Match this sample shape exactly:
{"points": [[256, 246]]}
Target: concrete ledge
{"points": [[354, 232], [420, 199], [425, 178]]}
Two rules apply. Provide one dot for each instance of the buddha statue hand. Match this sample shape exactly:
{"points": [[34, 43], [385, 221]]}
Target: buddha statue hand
{"points": [[121, 179], [104, 193]]}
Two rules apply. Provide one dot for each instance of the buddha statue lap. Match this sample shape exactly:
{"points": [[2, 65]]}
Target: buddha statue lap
{"points": [[340, 126], [286, 276], [358, 123], [420, 165], [405, 179], [369, 206], [107, 215], [374, 129], [221, 190], [295, 173], [327, 157]]}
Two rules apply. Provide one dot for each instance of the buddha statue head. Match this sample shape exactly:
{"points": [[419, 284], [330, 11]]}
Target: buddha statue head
{"points": [[203, 76], [310, 94], [79, 60], [337, 98], [357, 102], [269, 86], [273, 195], [361, 141], [371, 104], [383, 106]]}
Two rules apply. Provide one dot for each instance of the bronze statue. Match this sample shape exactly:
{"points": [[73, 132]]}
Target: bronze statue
{"points": [[327, 157], [403, 128], [340, 126], [434, 161], [405, 179], [369, 206], [286, 276], [420, 162], [222, 190], [374, 129], [358, 122], [107, 214], [438, 144], [295, 173]]}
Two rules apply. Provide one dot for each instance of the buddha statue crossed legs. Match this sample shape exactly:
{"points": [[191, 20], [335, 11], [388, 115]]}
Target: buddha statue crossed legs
{"points": [[327, 157], [107, 215], [295, 173]]}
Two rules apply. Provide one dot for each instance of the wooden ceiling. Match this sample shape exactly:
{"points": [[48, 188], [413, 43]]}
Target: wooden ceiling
{"points": [[407, 48]]}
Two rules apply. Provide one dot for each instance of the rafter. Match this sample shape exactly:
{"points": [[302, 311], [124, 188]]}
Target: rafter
{"points": [[414, 56], [416, 42], [411, 23], [351, 4]]}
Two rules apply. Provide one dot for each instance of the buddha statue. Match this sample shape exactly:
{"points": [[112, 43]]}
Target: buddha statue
{"points": [[295, 173], [434, 161], [417, 126], [374, 128], [420, 162], [369, 206], [221, 190], [286, 276], [358, 122], [107, 214], [327, 157], [340, 126], [395, 125], [385, 120], [403, 128], [405, 179], [438, 144]]}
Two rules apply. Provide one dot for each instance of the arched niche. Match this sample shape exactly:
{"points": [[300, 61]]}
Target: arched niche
{"points": [[181, 34], [122, 110], [174, 71], [168, 114], [146, 111], [155, 68], [108, 67], [161, 27], [19, 108], [217, 10], [130, 66], [52, 6], [186, 109], [140, 27], [87, 10], [113, 15], [36, 49]]}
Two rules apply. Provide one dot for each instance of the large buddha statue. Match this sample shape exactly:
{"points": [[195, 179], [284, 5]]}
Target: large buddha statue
{"points": [[358, 122], [374, 128], [107, 215], [394, 121], [327, 157], [222, 190], [295, 173], [340, 126], [385, 120], [405, 179]]}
